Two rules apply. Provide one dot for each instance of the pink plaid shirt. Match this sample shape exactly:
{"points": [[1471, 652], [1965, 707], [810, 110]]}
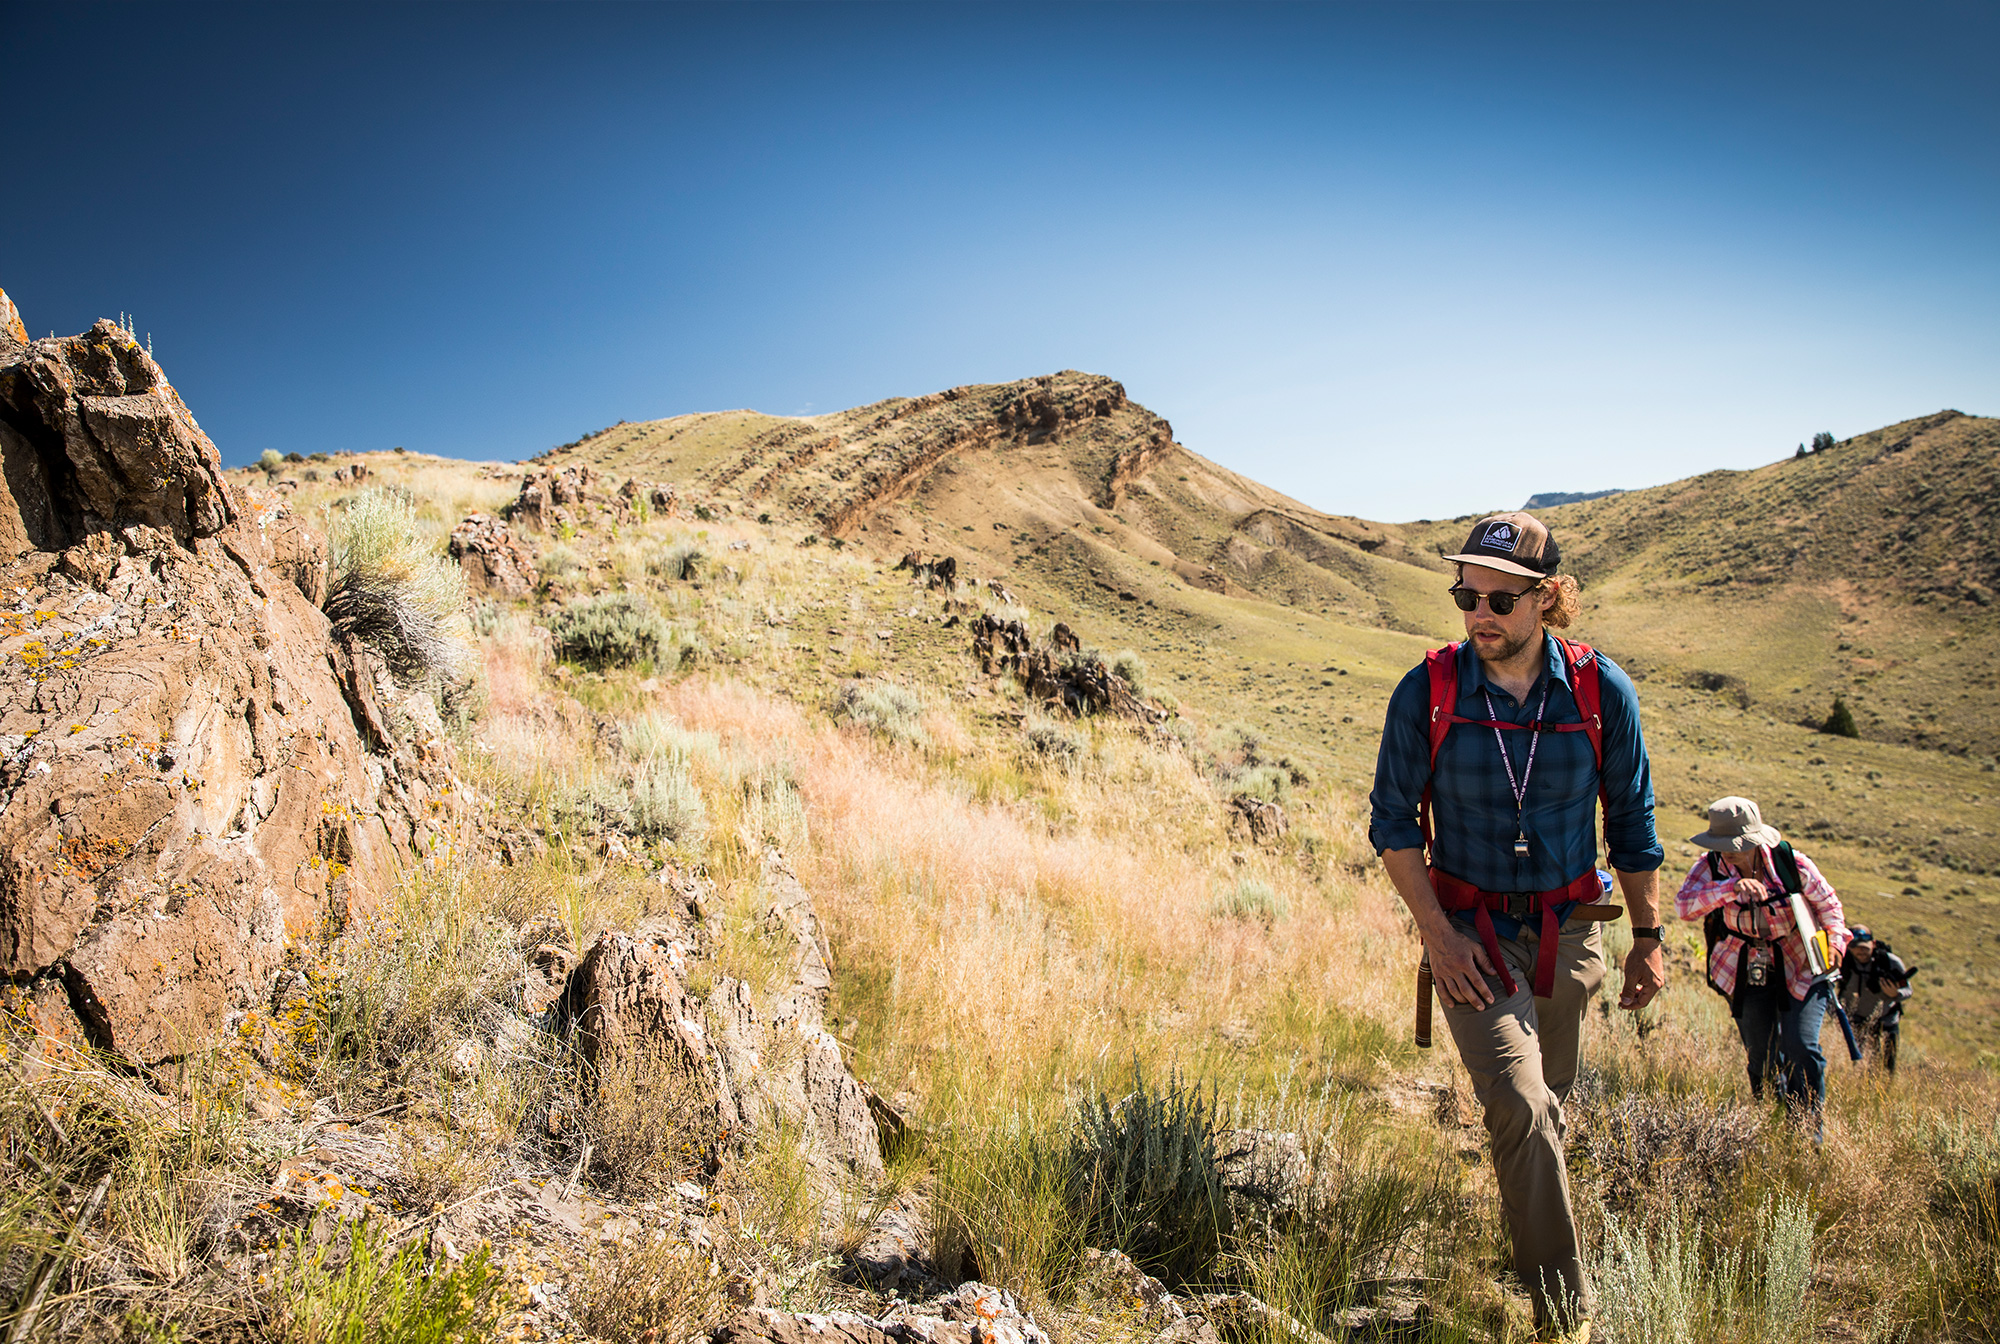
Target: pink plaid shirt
{"points": [[1702, 893]]}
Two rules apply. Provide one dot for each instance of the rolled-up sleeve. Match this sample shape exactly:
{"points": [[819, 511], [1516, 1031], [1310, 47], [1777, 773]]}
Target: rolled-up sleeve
{"points": [[1402, 767], [1629, 838], [1702, 891]]}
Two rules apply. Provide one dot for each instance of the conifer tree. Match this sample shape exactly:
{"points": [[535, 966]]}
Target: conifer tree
{"points": [[1840, 723]]}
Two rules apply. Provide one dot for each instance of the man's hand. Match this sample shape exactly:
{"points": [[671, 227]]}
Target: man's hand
{"points": [[1459, 966], [1645, 975], [1646, 965]]}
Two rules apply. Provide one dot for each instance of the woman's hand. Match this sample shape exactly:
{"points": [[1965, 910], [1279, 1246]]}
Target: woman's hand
{"points": [[1750, 891]]}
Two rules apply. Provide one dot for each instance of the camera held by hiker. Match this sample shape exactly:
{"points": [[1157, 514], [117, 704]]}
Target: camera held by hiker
{"points": [[1775, 938], [1874, 985], [1508, 742]]}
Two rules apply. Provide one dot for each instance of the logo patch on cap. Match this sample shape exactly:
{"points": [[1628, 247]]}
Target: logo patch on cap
{"points": [[1500, 536]]}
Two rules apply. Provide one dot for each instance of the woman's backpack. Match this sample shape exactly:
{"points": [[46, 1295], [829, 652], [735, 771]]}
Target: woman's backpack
{"points": [[1714, 930]]}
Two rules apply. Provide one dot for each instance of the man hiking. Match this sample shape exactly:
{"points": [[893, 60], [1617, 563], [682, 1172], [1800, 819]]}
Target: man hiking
{"points": [[1511, 738], [1874, 985]]}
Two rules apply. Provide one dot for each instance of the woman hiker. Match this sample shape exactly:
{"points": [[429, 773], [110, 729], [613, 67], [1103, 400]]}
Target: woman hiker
{"points": [[1760, 960]]}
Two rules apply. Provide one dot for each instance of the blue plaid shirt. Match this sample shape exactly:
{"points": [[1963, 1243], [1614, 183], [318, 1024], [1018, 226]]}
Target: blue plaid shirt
{"points": [[1472, 808]]}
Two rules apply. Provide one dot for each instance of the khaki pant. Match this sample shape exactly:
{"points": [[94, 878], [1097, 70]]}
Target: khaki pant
{"points": [[1521, 1053]]}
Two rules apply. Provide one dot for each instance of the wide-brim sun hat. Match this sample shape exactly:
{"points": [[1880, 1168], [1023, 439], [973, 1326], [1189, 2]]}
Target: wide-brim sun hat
{"points": [[1735, 826]]}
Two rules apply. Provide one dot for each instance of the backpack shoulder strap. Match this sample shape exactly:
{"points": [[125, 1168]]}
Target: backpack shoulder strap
{"points": [[1442, 664], [1587, 685], [1787, 864]]}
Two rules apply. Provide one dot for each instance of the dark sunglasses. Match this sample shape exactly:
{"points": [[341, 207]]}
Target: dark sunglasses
{"points": [[1502, 604]]}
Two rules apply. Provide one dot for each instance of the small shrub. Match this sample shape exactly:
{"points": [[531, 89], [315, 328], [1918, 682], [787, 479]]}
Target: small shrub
{"points": [[1251, 898], [1784, 1263], [560, 561], [1057, 745], [364, 1289], [318, 457], [1840, 723], [395, 593], [663, 1289], [666, 805], [1145, 1178], [434, 968], [615, 630], [682, 561], [271, 462], [1267, 783], [647, 1122], [1653, 1291], [1131, 668], [883, 707]]}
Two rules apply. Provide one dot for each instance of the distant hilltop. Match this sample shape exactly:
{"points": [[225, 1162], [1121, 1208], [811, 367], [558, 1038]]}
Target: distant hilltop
{"points": [[1548, 499]]}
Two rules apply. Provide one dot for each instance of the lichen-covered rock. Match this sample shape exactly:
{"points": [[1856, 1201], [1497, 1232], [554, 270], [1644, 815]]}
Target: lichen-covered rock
{"points": [[184, 785], [12, 329]]}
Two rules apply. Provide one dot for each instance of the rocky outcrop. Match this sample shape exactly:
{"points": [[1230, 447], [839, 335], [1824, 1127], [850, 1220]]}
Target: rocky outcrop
{"points": [[11, 327], [637, 497], [552, 498], [931, 571], [495, 563], [1257, 819], [972, 1313], [1055, 674], [184, 783], [631, 995], [96, 439]]}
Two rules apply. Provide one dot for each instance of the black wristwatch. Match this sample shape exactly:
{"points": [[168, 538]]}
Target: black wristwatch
{"points": [[1657, 933]]}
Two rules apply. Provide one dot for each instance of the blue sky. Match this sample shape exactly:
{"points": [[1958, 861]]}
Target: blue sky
{"points": [[1397, 260]]}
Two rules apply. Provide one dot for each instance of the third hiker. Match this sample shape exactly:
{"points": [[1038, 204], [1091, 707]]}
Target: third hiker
{"points": [[1511, 738]]}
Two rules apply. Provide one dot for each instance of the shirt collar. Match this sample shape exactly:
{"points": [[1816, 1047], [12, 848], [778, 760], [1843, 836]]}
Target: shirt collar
{"points": [[1554, 665]]}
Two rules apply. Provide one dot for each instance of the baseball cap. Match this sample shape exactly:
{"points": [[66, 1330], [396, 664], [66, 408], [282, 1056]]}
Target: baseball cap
{"points": [[1513, 543]]}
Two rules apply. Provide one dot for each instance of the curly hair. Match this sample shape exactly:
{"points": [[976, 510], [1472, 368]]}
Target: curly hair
{"points": [[1564, 609]]}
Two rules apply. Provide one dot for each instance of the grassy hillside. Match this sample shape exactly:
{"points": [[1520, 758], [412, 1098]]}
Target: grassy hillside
{"points": [[1033, 919], [1743, 602]]}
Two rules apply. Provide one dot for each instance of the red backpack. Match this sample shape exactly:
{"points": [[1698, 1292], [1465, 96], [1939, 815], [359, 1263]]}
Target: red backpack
{"points": [[1586, 684]]}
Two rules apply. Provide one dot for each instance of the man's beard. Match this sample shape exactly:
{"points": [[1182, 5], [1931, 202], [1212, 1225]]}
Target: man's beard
{"points": [[1507, 648]]}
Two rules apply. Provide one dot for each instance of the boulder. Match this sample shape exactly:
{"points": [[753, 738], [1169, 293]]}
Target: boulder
{"points": [[494, 562], [1262, 822], [630, 995], [95, 439], [186, 783]]}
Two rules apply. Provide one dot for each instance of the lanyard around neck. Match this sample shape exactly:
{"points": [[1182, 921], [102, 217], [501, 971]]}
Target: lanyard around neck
{"points": [[1519, 787]]}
